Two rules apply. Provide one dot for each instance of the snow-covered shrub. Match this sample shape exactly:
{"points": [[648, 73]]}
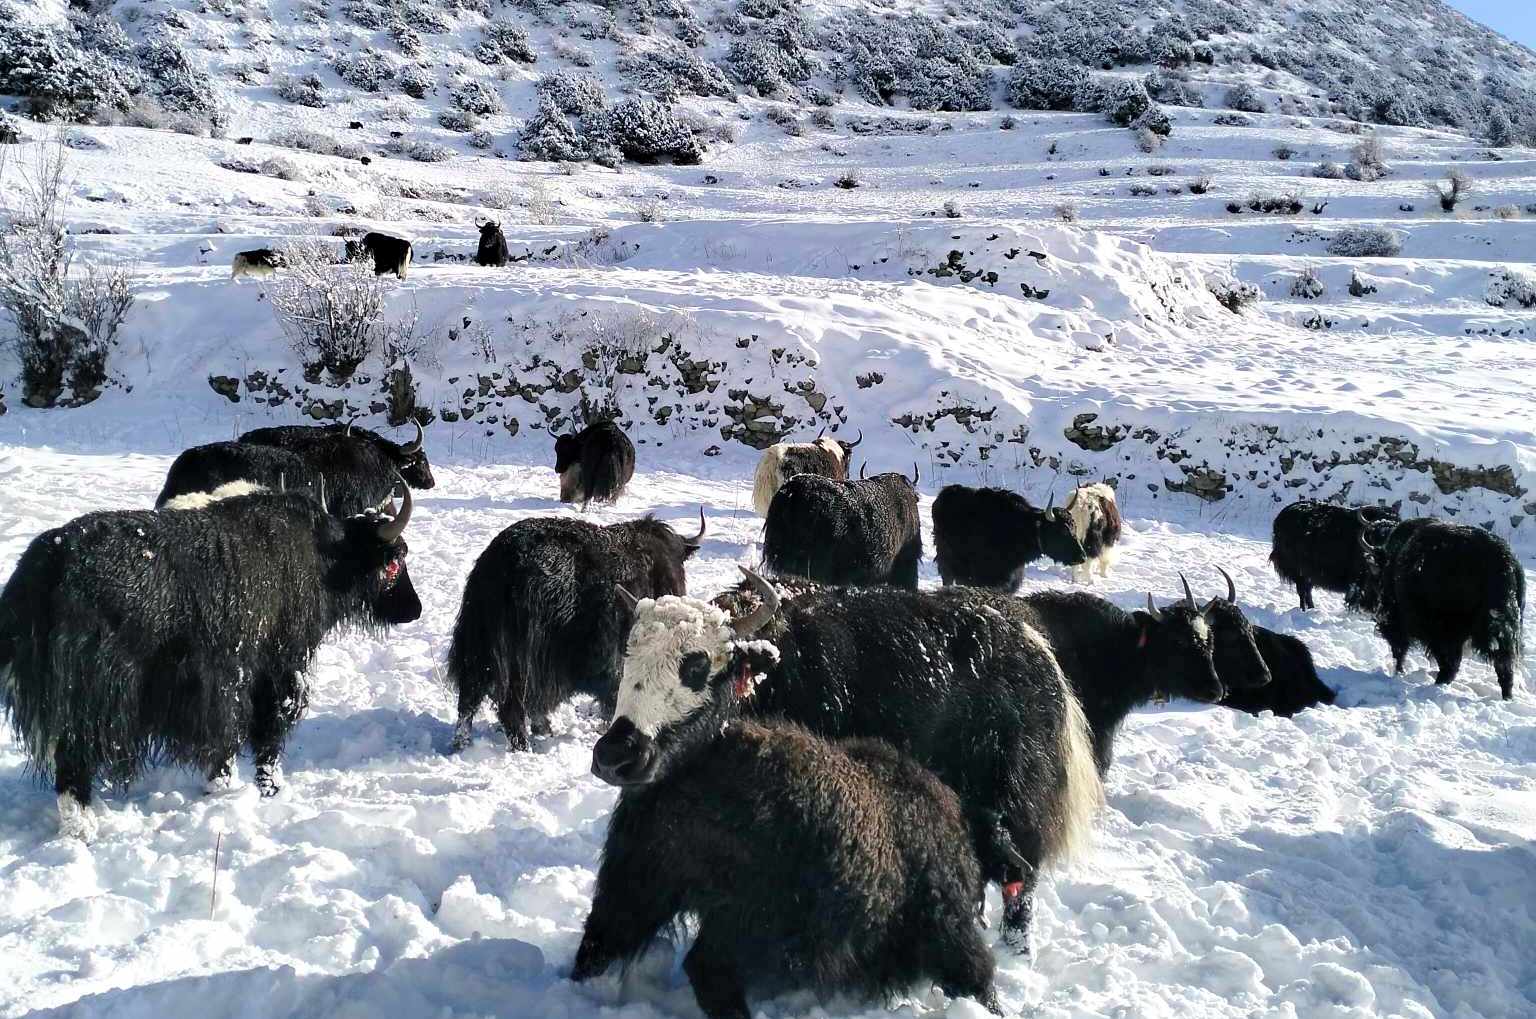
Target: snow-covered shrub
{"points": [[481, 139], [1368, 161], [1123, 101], [180, 86], [416, 82], [1154, 120], [576, 93], [1148, 141], [367, 70], [301, 89], [549, 135], [1200, 185], [987, 38], [419, 149], [1366, 242], [57, 79], [1244, 98], [503, 41], [1067, 212], [674, 72], [1457, 186], [889, 56], [1308, 285], [1233, 294], [368, 15], [1327, 170], [1048, 85], [406, 38], [785, 118], [1142, 190], [1358, 287], [646, 131], [1231, 120], [10, 130], [332, 315], [1174, 91], [1511, 287], [1507, 212], [1500, 131], [458, 120], [315, 141], [476, 97], [824, 120]]}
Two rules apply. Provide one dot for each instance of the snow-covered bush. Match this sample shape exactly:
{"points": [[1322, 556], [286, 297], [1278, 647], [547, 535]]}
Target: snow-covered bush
{"points": [[1308, 285], [1457, 186], [1368, 162], [301, 89], [1153, 120], [181, 87], [549, 135], [304, 139], [785, 118], [985, 37], [503, 41], [367, 70], [332, 315], [1506, 212], [889, 56], [1327, 170], [57, 80], [1233, 294], [1231, 120], [420, 150], [475, 96], [406, 38], [1048, 85], [1366, 242], [481, 139], [416, 82], [1200, 185], [1510, 287], [576, 93], [1244, 98], [458, 120], [763, 65], [647, 131], [674, 72], [1123, 101]]}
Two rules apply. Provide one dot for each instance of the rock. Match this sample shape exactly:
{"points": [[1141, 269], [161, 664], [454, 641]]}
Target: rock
{"points": [[226, 386], [1084, 434]]}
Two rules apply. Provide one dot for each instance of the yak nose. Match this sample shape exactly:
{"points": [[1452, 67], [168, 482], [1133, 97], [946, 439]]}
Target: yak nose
{"points": [[624, 755]]}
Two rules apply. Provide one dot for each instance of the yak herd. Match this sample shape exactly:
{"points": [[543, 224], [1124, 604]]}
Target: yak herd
{"points": [[826, 769]]}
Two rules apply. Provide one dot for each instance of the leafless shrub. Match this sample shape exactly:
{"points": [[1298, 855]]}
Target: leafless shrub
{"points": [[1507, 212], [1457, 186], [1067, 212], [331, 314]]}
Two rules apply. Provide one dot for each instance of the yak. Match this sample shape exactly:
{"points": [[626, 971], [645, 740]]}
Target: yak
{"points": [[834, 866], [203, 469], [846, 532], [1447, 587], [358, 459], [961, 680], [594, 465], [985, 537], [1315, 545], [828, 458], [540, 620], [1293, 681], [134, 637], [493, 246], [1096, 524], [258, 264], [390, 254]]}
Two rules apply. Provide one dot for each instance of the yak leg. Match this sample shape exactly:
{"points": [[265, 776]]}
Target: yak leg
{"points": [[716, 979], [513, 717], [1304, 592], [622, 922], [1448, 657], [222, 774], [267, 729], [904, 569], [72, 776], [1504, 668], [963, 963]]}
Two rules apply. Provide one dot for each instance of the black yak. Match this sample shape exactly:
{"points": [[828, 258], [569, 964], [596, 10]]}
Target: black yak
{"points": [[1293, 681], [541, 621], [356, 458], [594, 465], [1315, 545], [834, 867], [1445, 587], [1096, 524], [203, 469], [985, 537], [846, 532], [390, 254], [258, 264], [493, 246], [955, 678], [827, 458], [134, 637]]}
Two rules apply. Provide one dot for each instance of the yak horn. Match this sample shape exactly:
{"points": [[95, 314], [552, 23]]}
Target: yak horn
{"points": [[1050, 500], [1231, 587], [1152, 609], [630, 601], [860, 439], [915, 475], [697, 539], [1189, 596], [822, 432], [414, 447], [862, 468], [391, 529], [753, 621]]}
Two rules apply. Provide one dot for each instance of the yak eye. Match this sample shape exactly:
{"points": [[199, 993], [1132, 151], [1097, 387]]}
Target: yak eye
{"points": [[694, 670]]}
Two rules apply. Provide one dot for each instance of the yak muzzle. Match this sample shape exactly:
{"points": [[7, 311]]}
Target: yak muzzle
{"points": [[624, 755]]}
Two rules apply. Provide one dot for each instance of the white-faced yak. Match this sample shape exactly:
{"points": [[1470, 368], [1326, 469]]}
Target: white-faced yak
{"points": [[953, 678], [846, 532], [594, 465], [541, 619], [824, 457], [131, 638], [985, 537], [1096, 524]]}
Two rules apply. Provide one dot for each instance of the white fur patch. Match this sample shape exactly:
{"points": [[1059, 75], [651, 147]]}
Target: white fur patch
{"points": [[769, 477], [667, 630], [1202, 630], [1084, 792], [76, 820], [202, 500]]}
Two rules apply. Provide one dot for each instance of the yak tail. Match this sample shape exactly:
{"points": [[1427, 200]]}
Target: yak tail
{"points": [[1082, 791], [604, 480], [479, 653], [766, 481], [29, 689]]}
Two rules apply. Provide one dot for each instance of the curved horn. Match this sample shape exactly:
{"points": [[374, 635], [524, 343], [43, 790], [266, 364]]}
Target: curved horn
{"points": [[1365, 542], [855, 442], [753, 621], [1189, 596], [698, 539], [1050, 500], [630, 601], [1152, 609], [413, 447], [862, 468], [1231, 587], [822, 432], [391, 529], [915, 475]]}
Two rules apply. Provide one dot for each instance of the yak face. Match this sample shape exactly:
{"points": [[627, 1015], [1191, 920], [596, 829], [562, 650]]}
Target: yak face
{"points": [[1057, 539], [373, 559], [1178, 649], [1239, 664], [567, 452], [411, 460], [685, 674], [1365, 583]]}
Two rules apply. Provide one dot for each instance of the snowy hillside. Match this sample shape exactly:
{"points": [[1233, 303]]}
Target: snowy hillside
{"points": [[1188, 246]]}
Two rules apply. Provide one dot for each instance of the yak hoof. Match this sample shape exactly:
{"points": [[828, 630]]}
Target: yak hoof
{"points": [[76, 819], [266, 781], [463, 736], [1016, 939]]}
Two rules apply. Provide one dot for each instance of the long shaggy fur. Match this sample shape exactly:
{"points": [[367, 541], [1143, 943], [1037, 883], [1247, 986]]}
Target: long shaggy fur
{"points": [[541, 620], [985, 537], [833, 867], [360, 466], [1294, 684], [1097, 525], [202, 469], [595, 465], [141, 637], [1315, 544], [845, 532], [783, 460]]}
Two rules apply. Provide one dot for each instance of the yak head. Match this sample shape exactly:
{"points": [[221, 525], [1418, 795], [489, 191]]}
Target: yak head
{"points": [[568, 449], [1177, 649], [489, 231], [688, 669], [373, 563], [1057, 538], [411, 460], [840, 449], [1237, 657], [1364, 593]]}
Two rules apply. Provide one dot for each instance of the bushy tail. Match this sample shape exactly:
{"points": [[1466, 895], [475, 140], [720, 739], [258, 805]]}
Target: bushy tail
{"points": [[1082, 791], [765, 482], [479, 654], [29, 690]]}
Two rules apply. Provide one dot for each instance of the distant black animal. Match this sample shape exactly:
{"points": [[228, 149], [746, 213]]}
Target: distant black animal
{"points": [[1293, 681], [781, 461], [135, 637], [258, 263], [359, 464], [390, 254], [1097, 526], [809, 865], [541, 620], [846, 532], [1444, 587], [985, 537], [956, 679], [1117, 661], [493, 246], [1316, 545], [594, 465], [202, 469]]}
